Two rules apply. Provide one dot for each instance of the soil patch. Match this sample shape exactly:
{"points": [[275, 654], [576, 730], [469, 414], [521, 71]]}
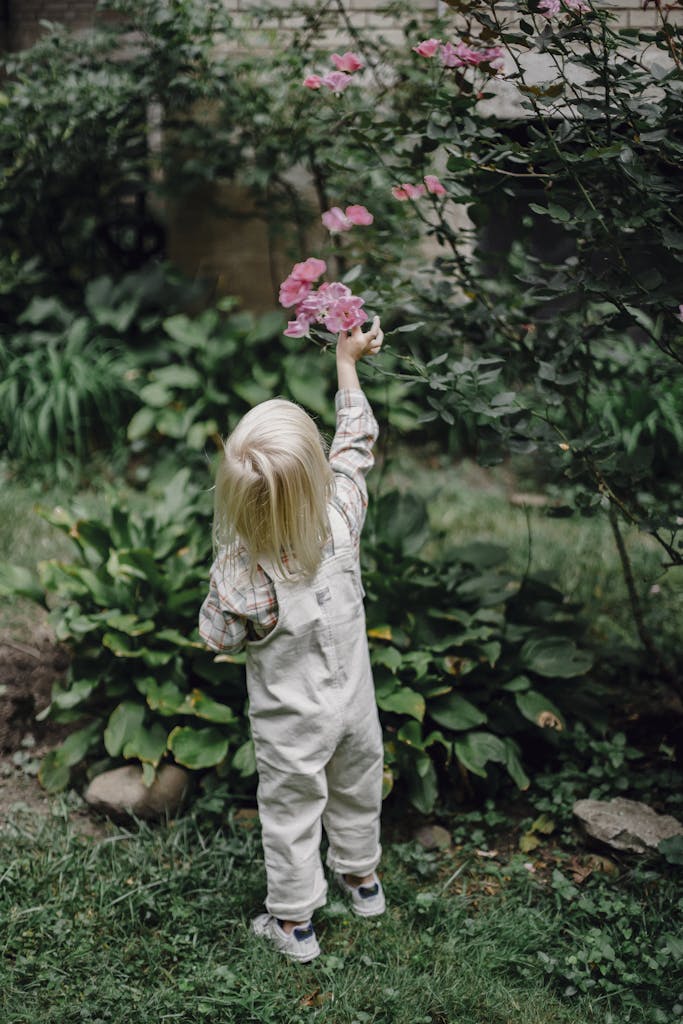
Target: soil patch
{"points": [[27, 673]]}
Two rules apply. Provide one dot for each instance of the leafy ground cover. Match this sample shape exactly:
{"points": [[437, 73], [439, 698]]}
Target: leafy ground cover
{"points": [[152, 923]]}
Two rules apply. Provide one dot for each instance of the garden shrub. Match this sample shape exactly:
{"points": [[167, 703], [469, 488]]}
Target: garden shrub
{"points": [[470, 662]]}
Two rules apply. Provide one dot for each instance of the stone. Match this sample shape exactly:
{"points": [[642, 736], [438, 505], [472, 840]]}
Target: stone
{"points": [[433, 837], [626, 824], [121, 793]]}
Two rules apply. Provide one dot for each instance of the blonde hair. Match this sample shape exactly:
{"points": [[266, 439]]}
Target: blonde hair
{"points": [[273, 485]]}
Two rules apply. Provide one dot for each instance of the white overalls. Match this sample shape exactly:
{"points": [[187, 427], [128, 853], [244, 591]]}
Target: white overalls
{"points": [[316, 732]]}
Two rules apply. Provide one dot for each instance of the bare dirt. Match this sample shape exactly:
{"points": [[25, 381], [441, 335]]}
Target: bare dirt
{"points": [[27, 673]]}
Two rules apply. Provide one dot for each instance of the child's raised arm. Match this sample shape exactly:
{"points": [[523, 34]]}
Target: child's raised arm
{"points": [[353, 346]]}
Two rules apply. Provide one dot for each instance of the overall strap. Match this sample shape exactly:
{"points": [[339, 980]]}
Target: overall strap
{"points": [[341, 538]]}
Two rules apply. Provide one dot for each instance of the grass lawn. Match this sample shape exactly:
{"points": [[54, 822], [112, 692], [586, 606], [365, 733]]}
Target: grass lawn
{"points": [[151, 924]]}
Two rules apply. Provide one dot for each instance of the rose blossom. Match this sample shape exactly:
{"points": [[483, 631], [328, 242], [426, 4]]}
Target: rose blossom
{"points": [[310, 270], [313, 82], [427, 48], [359, 215], [347, 62], [293, 292], [336, 81], [297, 328], [407, 191], [549, 7], [336, 221], [434, 185]]}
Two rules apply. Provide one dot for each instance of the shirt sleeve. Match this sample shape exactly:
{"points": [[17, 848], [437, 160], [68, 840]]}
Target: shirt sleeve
{"points": [[236, 609], [351, 456]]}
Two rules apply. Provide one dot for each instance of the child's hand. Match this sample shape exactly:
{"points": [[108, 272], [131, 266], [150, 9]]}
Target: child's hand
{"points": [[356, 344]]}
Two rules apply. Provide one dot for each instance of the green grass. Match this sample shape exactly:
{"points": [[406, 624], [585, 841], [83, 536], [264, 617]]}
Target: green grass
{"points": [[152, 925]]}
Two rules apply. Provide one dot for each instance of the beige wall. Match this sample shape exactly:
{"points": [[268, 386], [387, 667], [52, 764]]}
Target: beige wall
{"points": [[25, 15]]}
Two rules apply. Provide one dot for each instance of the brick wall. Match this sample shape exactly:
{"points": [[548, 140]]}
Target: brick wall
{"points": [[22, 17]]}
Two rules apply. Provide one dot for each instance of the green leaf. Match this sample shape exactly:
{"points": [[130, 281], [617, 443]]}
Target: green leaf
{"points": [[141, 424], [124, 722], [17, 581], [244, 760], [422, 784], [539, 710], [200, 704], [53, 773], [78, 691], [672, 849], [455, 712], [555, 657], [198, 748], [390, 657], [147, 744], [403, 702], [476, 749]]}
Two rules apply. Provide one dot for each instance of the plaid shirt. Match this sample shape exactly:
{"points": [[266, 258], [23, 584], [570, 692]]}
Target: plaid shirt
{"points": [[243, 605]]}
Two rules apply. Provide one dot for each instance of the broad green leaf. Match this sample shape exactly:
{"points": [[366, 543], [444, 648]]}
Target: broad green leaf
{"points": [[390, 657], [53, 773], [455, 712], [514, 764], [403, 702], [555, 657], [198, 748], [476, 749], [124, 722], [141, 423], [244, 760], [78, 690], [166, 698], [147, 744], [17, 581], [422, 784], [129, 624], [539, 710], [200, 704]]}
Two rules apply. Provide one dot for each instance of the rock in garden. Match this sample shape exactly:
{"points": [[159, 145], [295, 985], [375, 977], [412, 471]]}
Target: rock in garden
{"points": [[433, 837], [626, 824], [121, 792]]}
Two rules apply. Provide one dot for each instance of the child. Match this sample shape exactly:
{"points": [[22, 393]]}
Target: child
{"points": [[286, 585]]}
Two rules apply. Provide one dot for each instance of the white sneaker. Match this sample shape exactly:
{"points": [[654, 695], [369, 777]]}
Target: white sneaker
{"points": [[300, 944], [366, 900]]}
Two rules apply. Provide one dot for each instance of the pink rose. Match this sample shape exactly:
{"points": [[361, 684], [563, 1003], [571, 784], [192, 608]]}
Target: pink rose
{"points": [[680, 312], [549, 7], [293, 291], [336, 81], [434, 185], [310, 270], [578, 6], [359, 215], [407, 191], [297, 328], [347, 62], [427, 48], [335, 220], [313, 82]]}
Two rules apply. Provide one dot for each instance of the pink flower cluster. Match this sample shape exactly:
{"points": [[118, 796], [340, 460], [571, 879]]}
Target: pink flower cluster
{"points": [[336, 220], [332, 304], [336, 81], [548, 8], [461, 55], [406, 191]]}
